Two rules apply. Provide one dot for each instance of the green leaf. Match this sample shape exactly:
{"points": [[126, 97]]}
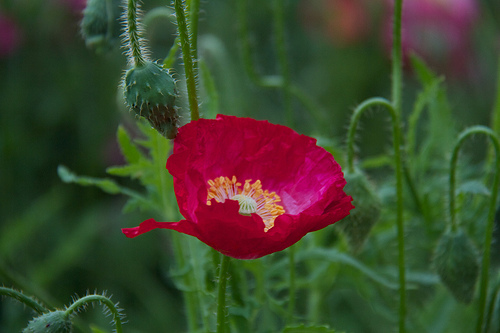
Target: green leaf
{"points": [[473, 187], [105, 184], [424, 73], [132, 171], [128, 148], [96, 329], [333, 255], [308, 329]]}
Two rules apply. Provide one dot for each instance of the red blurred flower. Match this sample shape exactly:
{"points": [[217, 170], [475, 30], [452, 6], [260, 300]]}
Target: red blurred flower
{"points": [[280, 186], [440, 31], [343, 22]]}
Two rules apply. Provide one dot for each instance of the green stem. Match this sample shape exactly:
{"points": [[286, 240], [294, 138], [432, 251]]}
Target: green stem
{"points": [[397, 92], [485, 264], [133, 34], [396, 136], [194, 10], [37, 307], [397, 58], [221, 294], [187, 56], [292, 286], [493, 301], [82, 302], [496, 107], [279, 27]]}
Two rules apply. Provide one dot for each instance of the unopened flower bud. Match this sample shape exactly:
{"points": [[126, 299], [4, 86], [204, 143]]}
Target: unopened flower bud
{"points": [[52, 322], [150, 92], [357, 225], [100, 25], [457, 264]]}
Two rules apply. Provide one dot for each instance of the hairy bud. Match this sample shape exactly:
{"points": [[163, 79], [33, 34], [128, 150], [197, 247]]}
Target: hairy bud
{"points": [[52, 322], [150, 92], [357, 225], [100, 25], [457, 264]]}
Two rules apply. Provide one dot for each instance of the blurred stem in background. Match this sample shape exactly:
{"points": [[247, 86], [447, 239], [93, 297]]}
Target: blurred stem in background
{"points": [[282, 81], [397, 92]]}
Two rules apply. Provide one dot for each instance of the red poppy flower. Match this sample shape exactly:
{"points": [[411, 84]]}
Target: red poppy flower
{"points": [[249, 188]]}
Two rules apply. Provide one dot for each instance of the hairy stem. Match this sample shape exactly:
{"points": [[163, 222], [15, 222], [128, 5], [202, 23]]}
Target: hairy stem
{"points": [[187, 56], [396, 136], [133, 34], [99, 299], [28, 301], [485, 263]]}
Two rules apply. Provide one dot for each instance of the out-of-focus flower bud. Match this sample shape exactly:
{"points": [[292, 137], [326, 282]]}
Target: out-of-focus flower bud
{"points": [[150, 91], [457, 264], [100, 24], [357, 225]]}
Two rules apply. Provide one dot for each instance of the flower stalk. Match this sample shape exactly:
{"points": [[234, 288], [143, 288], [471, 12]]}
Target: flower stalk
{"points": [[82, 302], [221, 294], [134, 38], [485, 262], [396, 135], [187, 56], [28, 301]]}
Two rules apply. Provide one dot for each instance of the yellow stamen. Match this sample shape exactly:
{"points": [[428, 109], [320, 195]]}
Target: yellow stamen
{"points": [[251, 197]]}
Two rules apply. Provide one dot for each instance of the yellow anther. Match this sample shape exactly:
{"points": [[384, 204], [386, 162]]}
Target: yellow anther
{"points": [[252, 198]]}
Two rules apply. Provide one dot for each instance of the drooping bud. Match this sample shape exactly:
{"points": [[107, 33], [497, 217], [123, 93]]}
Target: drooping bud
{"points": [[100, 25], [457, 264], [150, 92], [51, 322], [357, 225]]}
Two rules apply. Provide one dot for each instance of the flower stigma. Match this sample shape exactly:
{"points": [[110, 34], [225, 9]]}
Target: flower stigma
{"points": [[250, 196]]}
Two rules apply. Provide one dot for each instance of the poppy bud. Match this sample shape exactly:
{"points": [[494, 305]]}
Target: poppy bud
{"points": [[150, 92], [357, 225], [52, 322], [456, 262], [100, 25]]}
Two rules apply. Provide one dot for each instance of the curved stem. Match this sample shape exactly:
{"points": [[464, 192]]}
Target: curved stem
{"points": [[133, 34], [396, 137], [221, 295], [28, 301], [81, 302], [187, 56], [485, 263], [353, 124]]}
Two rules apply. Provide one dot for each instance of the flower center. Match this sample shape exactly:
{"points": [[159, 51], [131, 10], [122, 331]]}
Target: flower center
{"points": [[251, 197]]}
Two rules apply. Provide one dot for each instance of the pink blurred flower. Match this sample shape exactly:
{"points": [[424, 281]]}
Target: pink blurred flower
{"points": [[342, 22], [75, 6], [439, 31], [10, 36]]}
